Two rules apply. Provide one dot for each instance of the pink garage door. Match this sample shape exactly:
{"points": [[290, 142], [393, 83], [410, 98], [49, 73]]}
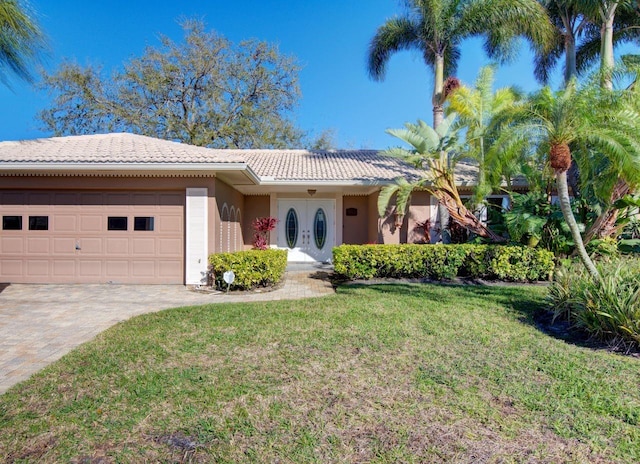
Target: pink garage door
{"points": [[91, 237]]}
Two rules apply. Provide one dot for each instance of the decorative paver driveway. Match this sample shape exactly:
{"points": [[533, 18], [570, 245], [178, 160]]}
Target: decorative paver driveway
{"points": [[41, 323]]}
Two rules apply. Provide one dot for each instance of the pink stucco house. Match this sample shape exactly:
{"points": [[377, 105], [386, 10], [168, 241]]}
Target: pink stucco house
{"points": [[132, 209]]}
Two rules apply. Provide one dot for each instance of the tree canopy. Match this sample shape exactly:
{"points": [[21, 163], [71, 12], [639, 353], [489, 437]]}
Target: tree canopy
{"points": [[205, 91]]}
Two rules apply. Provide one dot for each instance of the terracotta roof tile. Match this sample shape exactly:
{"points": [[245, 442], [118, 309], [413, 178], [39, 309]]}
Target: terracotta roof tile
{"points": [[358, 166], [334, 165], [109, 148]]}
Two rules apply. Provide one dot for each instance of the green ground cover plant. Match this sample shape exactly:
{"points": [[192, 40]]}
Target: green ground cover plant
{"points": [[381, 373]]}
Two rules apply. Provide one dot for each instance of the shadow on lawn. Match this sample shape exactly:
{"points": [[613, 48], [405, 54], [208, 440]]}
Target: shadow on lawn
{"points": [[530, 308]]}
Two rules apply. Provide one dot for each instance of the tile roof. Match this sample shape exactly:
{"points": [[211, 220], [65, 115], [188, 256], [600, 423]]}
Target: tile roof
{"points": [[357, 166], [333, 165], [109, 148]]}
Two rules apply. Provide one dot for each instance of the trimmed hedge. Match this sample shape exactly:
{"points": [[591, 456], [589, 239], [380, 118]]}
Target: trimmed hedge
{"points": [[512, 263], [253, 268]]}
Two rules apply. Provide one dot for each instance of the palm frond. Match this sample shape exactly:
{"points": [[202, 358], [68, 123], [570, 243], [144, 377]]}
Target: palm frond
{"points": [[394, 35]]}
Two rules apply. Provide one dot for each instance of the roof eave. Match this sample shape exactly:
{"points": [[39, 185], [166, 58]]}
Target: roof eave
{"points": [[325, 183], [126, 168]]}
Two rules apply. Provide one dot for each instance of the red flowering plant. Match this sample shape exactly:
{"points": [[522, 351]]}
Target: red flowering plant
{"points": [[262, 226]]}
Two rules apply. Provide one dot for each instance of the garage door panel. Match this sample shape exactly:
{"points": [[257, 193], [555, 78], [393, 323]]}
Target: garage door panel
{"points": [[65, 200], [167, 268], [90, 268], [64, 223], [117, 246], [173, 199], [102, 255], [169, 246], [11, 268], [119, 199], [15, 199], [170, 224], [91, 223], [37, 267], [12, 245], [117, 268], [144, 200], [64, 245], [144, 246], [64, 268], [91, 199], [37, 198], [91, 246], [146, 268], [38, 245]]}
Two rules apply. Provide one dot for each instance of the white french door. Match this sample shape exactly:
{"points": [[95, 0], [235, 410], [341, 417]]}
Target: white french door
{"points": [[307, 229]]}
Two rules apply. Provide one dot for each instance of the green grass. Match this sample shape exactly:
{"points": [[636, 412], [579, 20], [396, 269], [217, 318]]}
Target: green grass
{"points": [[389, 373]]}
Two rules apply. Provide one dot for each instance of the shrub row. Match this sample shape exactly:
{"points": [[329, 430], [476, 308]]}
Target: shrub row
{"points": [[512, 263], [252, 268]]}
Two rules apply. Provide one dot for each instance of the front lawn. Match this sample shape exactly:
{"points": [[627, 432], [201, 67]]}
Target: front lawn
{"points": [[386, 373]]}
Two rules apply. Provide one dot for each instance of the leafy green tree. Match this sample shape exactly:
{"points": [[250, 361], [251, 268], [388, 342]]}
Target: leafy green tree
{"points": [[427, 145], [203, 91], [478, 111], [21, 40], [555, 121]]}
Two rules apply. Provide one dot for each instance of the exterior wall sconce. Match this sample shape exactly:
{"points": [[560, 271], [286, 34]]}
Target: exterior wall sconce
{"points": [[399, 218], [311, 192]]}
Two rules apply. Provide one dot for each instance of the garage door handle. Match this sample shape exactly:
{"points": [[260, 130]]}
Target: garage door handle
{"points": [[78, 246]]}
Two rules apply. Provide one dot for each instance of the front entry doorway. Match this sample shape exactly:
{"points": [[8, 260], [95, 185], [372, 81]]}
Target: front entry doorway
{"points": [[307, 229]]}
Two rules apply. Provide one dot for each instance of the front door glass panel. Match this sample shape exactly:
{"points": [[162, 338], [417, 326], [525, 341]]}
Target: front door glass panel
{"points": [[291, 228], [320, 228]]}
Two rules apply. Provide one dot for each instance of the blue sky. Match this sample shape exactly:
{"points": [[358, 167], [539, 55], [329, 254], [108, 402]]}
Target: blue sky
{"points": [[328, 37]]}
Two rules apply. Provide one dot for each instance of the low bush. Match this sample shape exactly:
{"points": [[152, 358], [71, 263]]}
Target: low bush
{"points": [[513, 263], [609, 309], [252, 268]]}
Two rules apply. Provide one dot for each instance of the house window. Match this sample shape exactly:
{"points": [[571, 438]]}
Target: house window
{"points": [[117, 223], [11, 222], [143, 223], [38, 222]]}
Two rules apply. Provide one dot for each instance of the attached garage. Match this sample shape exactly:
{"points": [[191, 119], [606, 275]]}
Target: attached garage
{"points": [[92, 236], [103, 208]]}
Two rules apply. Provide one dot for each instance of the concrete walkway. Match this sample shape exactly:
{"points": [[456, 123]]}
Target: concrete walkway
{"points": [[41, 323]]}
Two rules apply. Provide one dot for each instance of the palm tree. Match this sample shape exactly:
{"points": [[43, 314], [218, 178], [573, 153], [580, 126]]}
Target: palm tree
{"points": [[611, 22], [477, 109], [21, 40], [570, 23], [437, 28], [427, 145], [557, 120]]}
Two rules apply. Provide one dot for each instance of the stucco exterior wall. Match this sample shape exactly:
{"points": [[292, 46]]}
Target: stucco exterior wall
{"points": [[355, 228], [419, 213], [255, 206], [228, 210]]}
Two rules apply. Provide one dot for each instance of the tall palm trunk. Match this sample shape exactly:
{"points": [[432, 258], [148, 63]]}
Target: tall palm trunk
{"points": [[607, 14], [565, 206], [438, 90], [438, 117], [570, 70]]}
